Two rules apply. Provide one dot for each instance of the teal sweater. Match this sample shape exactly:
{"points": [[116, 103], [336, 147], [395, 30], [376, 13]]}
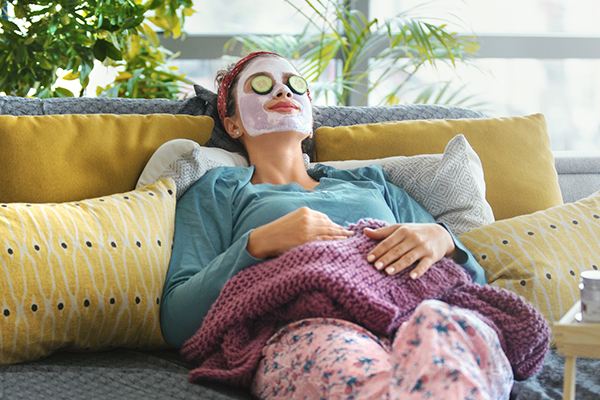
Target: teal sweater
{"points": [[216, 215]]}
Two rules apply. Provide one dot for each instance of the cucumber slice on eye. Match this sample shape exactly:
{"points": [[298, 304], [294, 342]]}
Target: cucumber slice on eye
{"points": [[262, 84], [297, 84]]}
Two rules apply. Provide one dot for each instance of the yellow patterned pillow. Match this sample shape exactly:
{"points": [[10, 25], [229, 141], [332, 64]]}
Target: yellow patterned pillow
{"points": [[541, 255], [85, 275]]}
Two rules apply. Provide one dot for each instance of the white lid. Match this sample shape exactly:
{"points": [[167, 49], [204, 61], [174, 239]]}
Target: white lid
{"points": [[591, 274], [591, 279]]}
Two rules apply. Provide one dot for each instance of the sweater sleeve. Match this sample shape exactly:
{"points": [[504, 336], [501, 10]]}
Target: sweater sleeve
{"points": [[406, 210], [204, 257]]}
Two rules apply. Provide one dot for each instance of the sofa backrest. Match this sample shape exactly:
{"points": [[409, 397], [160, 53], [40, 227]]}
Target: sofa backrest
{"points": [[10, 105], [205, 103], [579, 175]]}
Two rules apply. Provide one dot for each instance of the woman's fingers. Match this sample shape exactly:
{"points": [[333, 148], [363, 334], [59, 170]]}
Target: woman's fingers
{"points": [[326, 231], [393, 246], [395, 261], [317, 225], [293, 229], [381, 233], [421, 267], [405, 245], [330, 237], [338, 231], [331, 234]]}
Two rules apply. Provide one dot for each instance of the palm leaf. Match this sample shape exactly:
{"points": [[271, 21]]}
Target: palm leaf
{"points": [[445, 93], [365, 51]]}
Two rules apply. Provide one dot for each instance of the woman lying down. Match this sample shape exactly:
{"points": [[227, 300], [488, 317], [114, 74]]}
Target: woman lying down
{"points": [[329, 284]]}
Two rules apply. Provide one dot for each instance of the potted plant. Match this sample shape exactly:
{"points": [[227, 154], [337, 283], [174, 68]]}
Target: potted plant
{"points": [[39, 39]]}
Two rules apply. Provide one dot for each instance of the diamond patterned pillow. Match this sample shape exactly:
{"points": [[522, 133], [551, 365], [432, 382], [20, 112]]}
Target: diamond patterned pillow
{"points": [[450, 186], [446, 186]]}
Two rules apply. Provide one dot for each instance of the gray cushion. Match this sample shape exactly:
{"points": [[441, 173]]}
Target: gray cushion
{"points": [[344, 116], [10, 105], [578, 174]]}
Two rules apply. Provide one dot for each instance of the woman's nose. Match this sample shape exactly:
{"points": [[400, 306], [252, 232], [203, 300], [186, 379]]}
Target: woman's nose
{"points": [[282, 91]]}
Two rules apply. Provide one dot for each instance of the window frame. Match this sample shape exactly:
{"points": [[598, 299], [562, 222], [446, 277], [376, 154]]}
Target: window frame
{"points": [[505, 46]]}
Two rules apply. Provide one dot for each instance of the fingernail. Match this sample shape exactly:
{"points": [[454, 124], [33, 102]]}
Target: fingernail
{"points": [[371, 257], [350, 233], [389, 270], [378, 265], [413, 275]]}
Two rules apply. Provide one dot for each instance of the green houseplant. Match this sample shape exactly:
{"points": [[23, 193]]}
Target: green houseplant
{"points": [[368, 54], [37, 39]]}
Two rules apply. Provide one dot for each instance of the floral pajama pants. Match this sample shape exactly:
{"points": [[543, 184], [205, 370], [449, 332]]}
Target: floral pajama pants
{"points": [[442, 352]]}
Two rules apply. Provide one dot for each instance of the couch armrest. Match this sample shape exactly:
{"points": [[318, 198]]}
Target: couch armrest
{"points": [[578, 173]]}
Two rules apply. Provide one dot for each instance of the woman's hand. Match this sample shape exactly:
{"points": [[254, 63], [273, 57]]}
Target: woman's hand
{"points": [[405, 244], [291, 230]]}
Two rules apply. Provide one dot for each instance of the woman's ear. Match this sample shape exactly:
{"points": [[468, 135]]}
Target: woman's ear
{"points": [[232, 127]]}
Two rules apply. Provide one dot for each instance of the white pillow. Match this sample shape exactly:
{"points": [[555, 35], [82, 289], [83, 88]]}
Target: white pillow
{"points": [[186, 161], [450, 186]]}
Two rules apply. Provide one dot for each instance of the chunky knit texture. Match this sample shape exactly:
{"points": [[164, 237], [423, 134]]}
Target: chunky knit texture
{"points": [[333, 279]]}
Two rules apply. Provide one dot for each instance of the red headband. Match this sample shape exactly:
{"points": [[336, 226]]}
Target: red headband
{"points": [[228, 79]]}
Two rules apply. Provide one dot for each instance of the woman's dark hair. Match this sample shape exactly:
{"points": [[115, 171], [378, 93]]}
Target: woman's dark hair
{"points": [[219, 80]]}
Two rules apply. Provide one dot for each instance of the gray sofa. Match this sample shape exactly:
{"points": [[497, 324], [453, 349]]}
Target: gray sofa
{"points": [[578, 173], [133, 374]]}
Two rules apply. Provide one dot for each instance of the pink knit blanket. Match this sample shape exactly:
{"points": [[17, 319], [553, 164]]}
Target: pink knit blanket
{"points": [[333, 279]]}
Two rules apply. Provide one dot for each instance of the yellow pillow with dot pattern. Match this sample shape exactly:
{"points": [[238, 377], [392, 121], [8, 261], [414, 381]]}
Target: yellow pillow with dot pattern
{"points": [[540, 256], [84, 275]]}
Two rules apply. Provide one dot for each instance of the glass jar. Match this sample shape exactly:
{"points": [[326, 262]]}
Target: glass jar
{"points": [[590, 296]]}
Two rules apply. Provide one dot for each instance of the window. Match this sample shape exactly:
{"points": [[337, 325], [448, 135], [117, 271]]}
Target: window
{"points": [[536, 56], [235, 17]]}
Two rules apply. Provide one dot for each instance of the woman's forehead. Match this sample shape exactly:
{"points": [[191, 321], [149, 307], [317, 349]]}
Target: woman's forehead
{"points": [[276, 66]]}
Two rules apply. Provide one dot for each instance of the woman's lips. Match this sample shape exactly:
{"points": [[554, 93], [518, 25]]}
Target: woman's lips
{"points": [[284, 106]]}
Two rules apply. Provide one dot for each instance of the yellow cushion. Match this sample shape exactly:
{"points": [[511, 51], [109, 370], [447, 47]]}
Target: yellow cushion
{"points": [[84, 275], [540, 256], [515, 153], [58, 158]]}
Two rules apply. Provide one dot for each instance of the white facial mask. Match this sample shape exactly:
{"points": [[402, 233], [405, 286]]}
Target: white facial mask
{"points": [[256, 119]]}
